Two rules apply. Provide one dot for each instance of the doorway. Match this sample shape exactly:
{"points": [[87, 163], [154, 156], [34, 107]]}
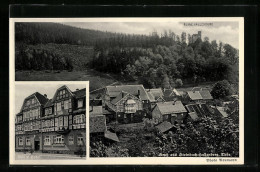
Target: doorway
{"points": [[36, 145]]}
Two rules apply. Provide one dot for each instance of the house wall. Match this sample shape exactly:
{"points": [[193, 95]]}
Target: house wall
{"points": [[52, 148]]}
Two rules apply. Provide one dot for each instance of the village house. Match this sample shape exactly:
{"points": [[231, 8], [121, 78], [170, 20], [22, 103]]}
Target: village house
{"points": [[54, 125], [97, 122], [198, 95], [173, 112], [128, 103]]}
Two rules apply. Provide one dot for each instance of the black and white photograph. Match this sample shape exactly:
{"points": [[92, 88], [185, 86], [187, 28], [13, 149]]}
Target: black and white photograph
{"points": [[50, 121], [168, 88]]}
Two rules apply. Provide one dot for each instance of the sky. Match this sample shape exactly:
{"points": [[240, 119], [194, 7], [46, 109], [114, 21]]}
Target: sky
{"points": [[226, 32], [24, 90]]}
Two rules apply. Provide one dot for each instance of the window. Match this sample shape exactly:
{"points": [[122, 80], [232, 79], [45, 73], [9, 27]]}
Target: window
{"points": [[71, 140], [59, 139], [61, 121], [80, 103], [28, 142], [50, 110], [66, 104], [28, 102], [59, 106], [20, 141], [46, 111], [56, 122], [33, 101], [47, 140], [66, 121], [80, 140], [52, 122], [78, 119]]}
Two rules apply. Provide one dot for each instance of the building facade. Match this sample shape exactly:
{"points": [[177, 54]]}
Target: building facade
{"points": [[56, 125], [128, 103]]}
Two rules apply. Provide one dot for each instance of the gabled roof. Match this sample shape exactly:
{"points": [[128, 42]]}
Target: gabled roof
{"points": [[151, 97], [113, 91], [111, 136], [80, 93], [120, 96], [168, 92], [62, 87], [205, 94], [41, 99], [171, 107], [155, 92], [194, 95], [97, 124], [221, 110], [164, 126], [196, 89]]}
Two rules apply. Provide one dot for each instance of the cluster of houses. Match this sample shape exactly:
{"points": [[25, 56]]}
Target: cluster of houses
{"points": [[167, 108], [56, 125]]}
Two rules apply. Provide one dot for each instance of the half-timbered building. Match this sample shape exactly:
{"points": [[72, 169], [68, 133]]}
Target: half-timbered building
{"points": [[54, 125]]}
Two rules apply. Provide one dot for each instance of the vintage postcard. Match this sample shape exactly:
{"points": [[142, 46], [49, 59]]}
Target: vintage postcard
{"points": [[162, 91]]}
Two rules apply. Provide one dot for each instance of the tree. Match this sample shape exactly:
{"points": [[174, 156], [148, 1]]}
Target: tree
{"points": [[221, 89], [178, 83]]}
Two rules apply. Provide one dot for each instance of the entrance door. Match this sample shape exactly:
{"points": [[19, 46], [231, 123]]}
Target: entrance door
{"points": [[36, 145]]}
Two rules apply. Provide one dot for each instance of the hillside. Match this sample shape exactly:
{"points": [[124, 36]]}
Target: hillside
{"points": [[43, 33], [79, 55]]}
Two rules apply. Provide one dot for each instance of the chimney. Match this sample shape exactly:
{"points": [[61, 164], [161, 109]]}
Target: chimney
{"points": [[45, 95]]}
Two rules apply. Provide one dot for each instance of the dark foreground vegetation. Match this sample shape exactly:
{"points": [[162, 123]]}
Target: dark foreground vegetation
{"points": [[208, 135]]}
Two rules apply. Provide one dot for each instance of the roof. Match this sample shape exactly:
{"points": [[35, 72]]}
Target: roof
{"points": [[121, 95], [168, 92], [194, 95], [164, 126], [113, 91], [155, 92], [151, 97], [205, 94], [111, 136], [97, 123], [80, 93], [171, 107], [49, 103], [42, 99], [194, 116], [196, 89], [221, 110]]}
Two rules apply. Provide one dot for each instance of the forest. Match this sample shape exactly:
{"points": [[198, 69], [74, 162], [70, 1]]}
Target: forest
{"points": [[154, 60]]}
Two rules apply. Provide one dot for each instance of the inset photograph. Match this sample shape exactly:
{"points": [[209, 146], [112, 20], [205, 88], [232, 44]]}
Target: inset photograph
{"points": [[50, 121]]}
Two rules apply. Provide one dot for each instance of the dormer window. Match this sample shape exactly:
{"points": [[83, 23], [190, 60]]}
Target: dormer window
{"points": [[80, 103]]}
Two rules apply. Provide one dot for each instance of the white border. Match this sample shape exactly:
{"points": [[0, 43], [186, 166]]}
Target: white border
{"points": [[130, 160]]}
